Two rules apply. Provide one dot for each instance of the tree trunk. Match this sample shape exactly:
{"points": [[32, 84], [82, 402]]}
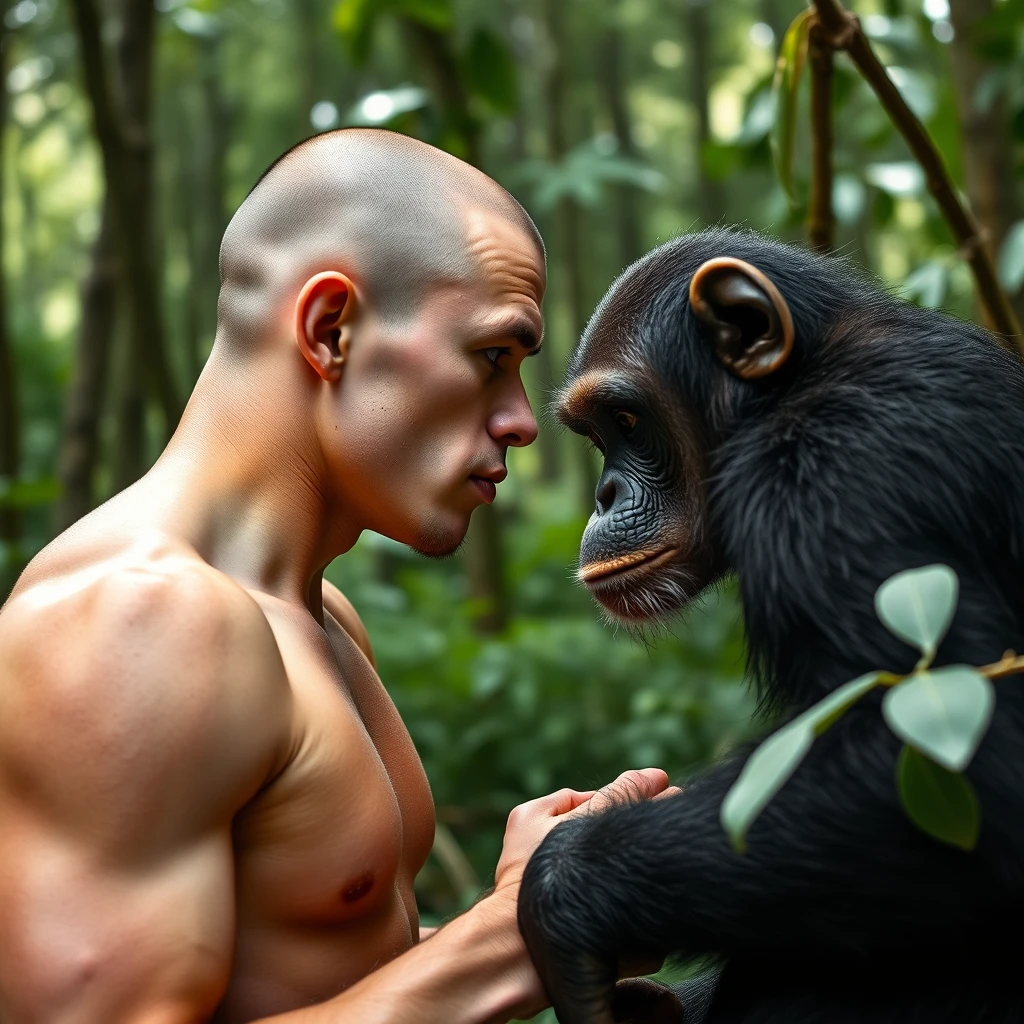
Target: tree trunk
{"points": [[627, 205], [567, 220], [123, 132], [10, 440], [987, 144], [80, 441], [697, 37]]}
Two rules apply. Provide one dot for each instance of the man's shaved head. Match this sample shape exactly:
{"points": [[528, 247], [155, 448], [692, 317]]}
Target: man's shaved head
{"points": [[388, 211]]}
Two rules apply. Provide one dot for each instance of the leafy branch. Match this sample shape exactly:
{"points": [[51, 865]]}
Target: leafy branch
{"points": [[941, 714], [828, 27]]}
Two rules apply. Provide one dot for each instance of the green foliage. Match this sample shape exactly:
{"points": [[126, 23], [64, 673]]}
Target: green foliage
{"points": [[941, 714], [490, 72], [355, 20], [792, 57], [24, 494], [939, 802], [583, 175]]}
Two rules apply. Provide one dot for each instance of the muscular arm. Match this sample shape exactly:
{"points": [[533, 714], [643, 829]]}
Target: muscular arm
{"points": [[138, 714]]}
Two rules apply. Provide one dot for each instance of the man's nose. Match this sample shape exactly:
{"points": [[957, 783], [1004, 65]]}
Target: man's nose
{"points": [[513, 423]]}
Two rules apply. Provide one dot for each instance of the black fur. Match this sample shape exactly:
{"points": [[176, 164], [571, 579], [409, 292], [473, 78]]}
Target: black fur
{"points": [[892, 438]]}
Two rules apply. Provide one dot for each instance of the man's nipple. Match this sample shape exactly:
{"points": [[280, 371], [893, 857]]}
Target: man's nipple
{"points": [[358, 889]]}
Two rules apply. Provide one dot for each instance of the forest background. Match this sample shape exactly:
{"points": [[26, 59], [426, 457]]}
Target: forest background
{"points": [[618, 124]]}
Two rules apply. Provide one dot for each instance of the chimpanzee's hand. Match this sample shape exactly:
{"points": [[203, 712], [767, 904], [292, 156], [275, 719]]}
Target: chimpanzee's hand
{"points": [[577, 943]]}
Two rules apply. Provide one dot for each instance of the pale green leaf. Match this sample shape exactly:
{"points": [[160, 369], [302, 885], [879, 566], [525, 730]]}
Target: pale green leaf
{"points": [[1011, 259], [778, 757], [943, 713], [766, 770], [786, 85], [826, 711], [938, 801], [917, 605]]}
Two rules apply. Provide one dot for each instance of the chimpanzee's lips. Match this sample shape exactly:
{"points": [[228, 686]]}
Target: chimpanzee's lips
{"points": [[596, 572]]}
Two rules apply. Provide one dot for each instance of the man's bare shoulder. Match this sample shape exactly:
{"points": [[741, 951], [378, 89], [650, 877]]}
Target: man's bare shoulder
{"points": [[135, 661], [341, 609]]}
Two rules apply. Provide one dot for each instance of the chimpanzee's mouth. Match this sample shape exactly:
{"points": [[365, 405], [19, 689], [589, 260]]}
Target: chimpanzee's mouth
{"points": [[599, 572]]}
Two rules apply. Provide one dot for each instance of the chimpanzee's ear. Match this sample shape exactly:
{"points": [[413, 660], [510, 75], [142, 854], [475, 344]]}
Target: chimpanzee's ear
{"points": [[745, 315]]}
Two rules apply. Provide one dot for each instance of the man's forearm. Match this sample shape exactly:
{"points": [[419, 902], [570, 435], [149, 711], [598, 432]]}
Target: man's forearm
{"points": [[475, 970]]}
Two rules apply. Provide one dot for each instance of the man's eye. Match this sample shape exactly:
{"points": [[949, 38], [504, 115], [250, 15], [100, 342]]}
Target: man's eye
{"points": [[492, 355]]}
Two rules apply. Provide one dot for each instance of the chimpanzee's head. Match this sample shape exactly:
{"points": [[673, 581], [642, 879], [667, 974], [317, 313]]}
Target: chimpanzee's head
{"points": [[696, 339]]}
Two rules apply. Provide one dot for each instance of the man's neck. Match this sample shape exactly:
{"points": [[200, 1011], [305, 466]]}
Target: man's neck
{"points": [[242, 481]]}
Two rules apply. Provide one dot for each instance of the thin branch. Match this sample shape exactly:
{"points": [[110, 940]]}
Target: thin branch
{"points": [[1010, 665], [820, 218], [841, 31]]}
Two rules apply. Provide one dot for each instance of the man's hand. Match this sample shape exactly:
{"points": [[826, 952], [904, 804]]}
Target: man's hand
{"points": [[529, 823]]}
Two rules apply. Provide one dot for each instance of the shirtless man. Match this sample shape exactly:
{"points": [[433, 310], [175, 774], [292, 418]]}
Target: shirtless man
{"points": [[209, 807]]}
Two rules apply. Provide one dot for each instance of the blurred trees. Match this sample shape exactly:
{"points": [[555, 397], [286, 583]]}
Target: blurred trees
{"points": [[131, 132]]}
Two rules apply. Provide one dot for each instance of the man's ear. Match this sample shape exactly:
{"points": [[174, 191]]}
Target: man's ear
{"points": [[323, 322], [745, 316]]}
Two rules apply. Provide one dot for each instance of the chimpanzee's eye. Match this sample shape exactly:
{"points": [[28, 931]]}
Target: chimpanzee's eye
{"points": [[625, 421], [596, 442]]}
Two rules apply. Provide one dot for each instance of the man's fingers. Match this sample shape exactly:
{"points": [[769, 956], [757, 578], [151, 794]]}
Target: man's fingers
{"points": [[552, 805], [671, 791], [639, 784]]}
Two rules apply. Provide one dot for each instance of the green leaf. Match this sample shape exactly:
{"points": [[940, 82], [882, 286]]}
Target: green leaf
{"points": [[917, 605], [943, 713], [792, 57], [1011, 259], [354, 21], [777, 758], [490, 71], [938, 801], [436, 14], [766, 770], [828, 710]]}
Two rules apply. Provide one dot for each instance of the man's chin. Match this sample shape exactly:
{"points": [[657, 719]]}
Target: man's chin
{"points": [[439, 543]]}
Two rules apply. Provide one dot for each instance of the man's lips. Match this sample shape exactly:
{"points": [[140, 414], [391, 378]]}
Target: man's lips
{"points": [[487, 482]]}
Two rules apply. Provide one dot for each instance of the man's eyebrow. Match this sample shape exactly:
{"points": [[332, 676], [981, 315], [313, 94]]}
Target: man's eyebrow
{"points": [[519, 326]]}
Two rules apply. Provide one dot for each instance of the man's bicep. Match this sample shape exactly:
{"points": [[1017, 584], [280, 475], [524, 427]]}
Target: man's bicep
{"points": [[87, 940]]}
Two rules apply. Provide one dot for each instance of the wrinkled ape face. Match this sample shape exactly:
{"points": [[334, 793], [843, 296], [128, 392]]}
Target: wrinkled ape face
{"points": [[430, 407]]}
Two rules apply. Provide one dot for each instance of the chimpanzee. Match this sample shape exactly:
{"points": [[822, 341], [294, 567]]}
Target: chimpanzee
{"points": [[771, 413]]}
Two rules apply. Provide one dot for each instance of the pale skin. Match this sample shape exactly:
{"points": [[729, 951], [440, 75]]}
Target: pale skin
{"points": [[211, 808]]}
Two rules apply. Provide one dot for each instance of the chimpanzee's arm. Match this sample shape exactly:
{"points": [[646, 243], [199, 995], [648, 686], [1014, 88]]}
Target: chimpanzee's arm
{"points": [[833, 865]]}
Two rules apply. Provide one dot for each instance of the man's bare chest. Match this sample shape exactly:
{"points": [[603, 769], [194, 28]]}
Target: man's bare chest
{"points": [[342, 831]]}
